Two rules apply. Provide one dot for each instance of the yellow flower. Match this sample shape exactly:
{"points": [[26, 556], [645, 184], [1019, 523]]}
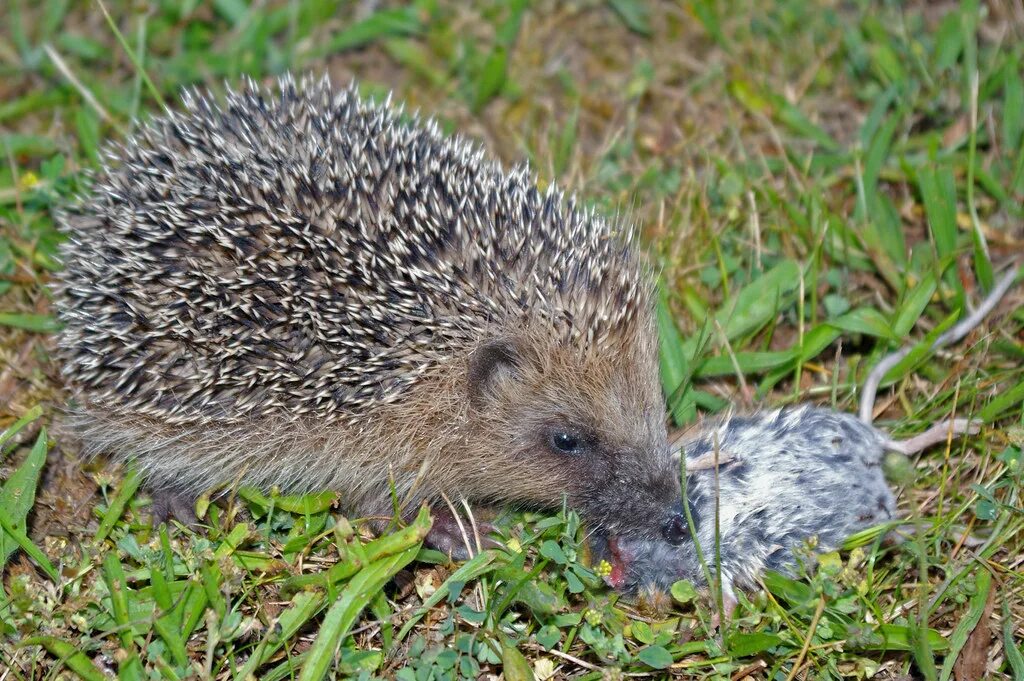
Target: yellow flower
{"points": [[28, 180]]}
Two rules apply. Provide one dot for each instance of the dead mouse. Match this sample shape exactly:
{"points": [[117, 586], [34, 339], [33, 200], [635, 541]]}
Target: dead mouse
{"points": [[776, 479]]}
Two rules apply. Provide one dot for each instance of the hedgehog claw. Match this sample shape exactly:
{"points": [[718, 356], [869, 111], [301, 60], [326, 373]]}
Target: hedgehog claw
{"points": [[171, 504], [455, 541]]}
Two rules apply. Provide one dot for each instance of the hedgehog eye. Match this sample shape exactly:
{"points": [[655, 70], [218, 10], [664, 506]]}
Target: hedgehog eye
{"points": [[565, 442]]}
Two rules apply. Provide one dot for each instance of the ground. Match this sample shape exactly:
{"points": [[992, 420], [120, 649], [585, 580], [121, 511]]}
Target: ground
{"points": [[817, 182]]}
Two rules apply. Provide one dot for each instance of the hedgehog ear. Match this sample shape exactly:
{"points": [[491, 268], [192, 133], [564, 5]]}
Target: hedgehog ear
{"points": [[494, 362]]}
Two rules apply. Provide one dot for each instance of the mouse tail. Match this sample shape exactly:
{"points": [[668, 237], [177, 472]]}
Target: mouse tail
{"points": [[939, 433], [952, 335]]}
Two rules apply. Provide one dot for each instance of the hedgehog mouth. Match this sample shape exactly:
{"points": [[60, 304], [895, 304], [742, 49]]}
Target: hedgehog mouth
{"points": [[620, 558]]}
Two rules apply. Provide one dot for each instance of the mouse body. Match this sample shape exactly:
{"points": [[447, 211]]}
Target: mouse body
{"points": [[759, 486]]}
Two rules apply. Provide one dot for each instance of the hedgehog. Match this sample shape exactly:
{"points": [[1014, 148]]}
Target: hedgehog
{"points": [[293, 287]]}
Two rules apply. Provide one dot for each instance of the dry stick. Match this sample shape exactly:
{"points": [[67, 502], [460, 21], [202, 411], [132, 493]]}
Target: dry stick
{"points": [[472, 524], [66, 71], [480, 595], [807, 641], [458, 521], [952, 335]]}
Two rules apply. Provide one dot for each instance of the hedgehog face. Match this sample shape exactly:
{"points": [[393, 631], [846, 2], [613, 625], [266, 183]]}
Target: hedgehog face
{"points": [[584, 425]]}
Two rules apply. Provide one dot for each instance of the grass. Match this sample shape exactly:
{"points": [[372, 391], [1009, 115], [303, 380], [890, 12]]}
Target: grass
{"points": [[819, 181]]}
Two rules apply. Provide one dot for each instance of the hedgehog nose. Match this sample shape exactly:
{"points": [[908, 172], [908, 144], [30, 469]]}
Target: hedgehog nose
{"points": [[675, 530]]}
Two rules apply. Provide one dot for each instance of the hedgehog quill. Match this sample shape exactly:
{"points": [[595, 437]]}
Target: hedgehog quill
{"points": [[296, 289]]}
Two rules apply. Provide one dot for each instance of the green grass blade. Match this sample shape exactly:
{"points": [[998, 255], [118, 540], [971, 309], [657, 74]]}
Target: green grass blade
{"points": [[117, 586], [292, 503], [129, 486], [472, 569], [15, 537], [136, 62], [676, 369], [1007, 401], [381, 24], [37, 323], [1013, 108], [304, 607], [75, 659], [633, 14], [30, 416], [1014, 657], [913, 306], [16, 500], [966, 623], [343, 614]]}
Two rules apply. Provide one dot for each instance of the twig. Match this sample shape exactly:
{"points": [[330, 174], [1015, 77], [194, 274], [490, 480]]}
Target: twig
{"points": [[574, 660]]}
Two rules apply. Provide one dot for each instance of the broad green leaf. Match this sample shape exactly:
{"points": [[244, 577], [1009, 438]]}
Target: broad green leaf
{"points": [[633, 14], [866, 320], [655, 657], [552, 551], [683, 592], [745, 644], [514, 666], [642, 632], [548, 636], [790, 590]]}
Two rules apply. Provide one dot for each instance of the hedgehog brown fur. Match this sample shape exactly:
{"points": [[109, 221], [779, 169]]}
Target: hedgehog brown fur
{"points": [[298, 289]]}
